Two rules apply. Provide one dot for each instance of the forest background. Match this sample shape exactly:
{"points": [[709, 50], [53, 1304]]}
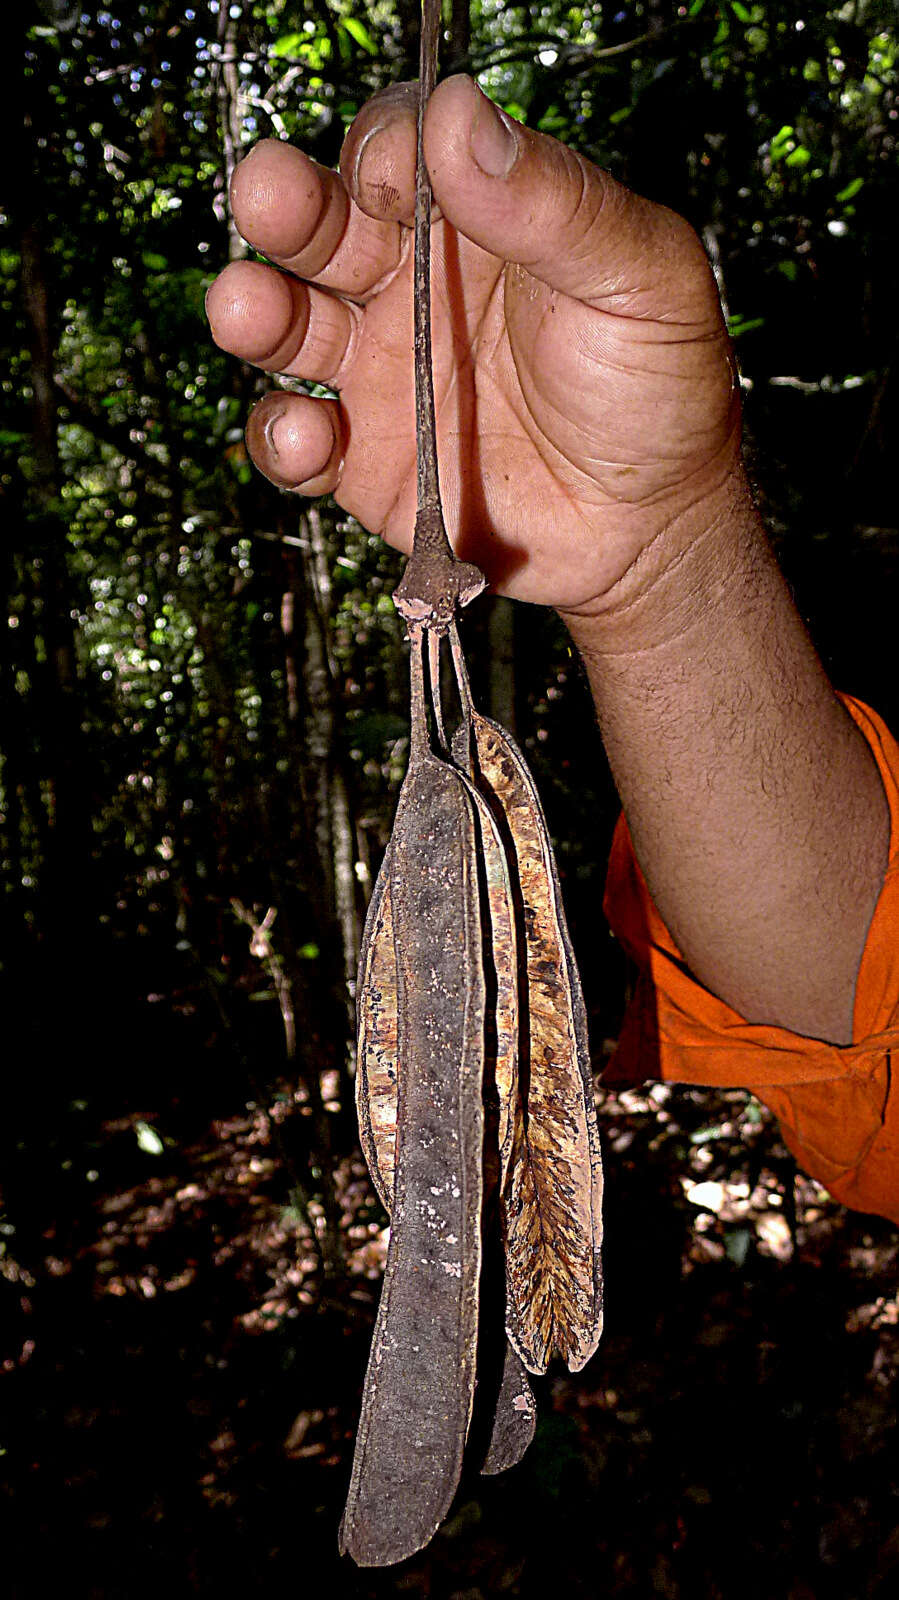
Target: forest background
{"points": [[203, 731]]}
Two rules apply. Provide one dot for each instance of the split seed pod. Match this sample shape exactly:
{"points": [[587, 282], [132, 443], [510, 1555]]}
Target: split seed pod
{"points": [[468, 991], [552, 1177], [377, 1065]]}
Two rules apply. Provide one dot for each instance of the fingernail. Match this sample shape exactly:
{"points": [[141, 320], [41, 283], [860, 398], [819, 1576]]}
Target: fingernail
{"points": [[360, 153], [494, 145], [272, 431]]}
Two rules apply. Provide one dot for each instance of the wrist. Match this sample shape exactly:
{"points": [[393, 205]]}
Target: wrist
{"points": [[690, 568], [756, 810]]}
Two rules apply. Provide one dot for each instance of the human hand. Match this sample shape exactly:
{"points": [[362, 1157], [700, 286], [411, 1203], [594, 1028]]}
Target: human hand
{"points": [[585, 390]]}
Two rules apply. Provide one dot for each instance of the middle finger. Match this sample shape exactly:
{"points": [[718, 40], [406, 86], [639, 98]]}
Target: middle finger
{"points": [[300, 215]]}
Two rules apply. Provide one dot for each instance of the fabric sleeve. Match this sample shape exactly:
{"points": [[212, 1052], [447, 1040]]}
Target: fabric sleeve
{"points": [[837, 1106]]}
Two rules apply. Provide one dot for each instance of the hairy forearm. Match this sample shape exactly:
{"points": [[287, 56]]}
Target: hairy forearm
{"points": [[756, 809]]}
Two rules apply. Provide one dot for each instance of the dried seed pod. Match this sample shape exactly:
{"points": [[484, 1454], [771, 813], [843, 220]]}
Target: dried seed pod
{"points": [[376, 1051], [552, 1197], [377, 1087], [552, 1200], [377, 1044], [502, 968], [515, 1421], [419, 1385]]}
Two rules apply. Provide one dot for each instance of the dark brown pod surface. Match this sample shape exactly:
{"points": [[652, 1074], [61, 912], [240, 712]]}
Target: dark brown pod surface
{"points": [[377, 1088], [376, 1054], [420, 1381], [515, 1422]]}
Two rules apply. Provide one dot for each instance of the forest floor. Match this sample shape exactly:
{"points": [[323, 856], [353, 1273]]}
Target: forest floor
{"points": [[181, 1390]]}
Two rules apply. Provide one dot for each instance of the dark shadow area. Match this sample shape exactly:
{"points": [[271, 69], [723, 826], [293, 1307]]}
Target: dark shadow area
{"points": [[181, 1384]]}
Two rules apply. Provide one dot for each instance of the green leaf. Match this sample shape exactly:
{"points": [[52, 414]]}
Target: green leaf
{"points": [[851, 190], [148, 1139], [154, 262], [695, 8], [358, 31], [782, 141], [288, 44], [737, 325], [741, 12], [789, 270], [554, 121], [705, 1135], [800, 157]]}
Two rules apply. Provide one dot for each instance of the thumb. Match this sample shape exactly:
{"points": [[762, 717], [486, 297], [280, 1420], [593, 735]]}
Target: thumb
{"points": [[526, 198]]}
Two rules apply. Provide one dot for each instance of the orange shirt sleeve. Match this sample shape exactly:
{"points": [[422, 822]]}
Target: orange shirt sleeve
{"points": [[837, 1105]]}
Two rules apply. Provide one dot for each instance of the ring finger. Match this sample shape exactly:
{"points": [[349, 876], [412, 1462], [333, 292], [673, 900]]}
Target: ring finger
{"points": [[282, 325]]}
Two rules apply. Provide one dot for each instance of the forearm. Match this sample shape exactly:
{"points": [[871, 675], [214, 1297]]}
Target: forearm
{"points": [[756, 810]]}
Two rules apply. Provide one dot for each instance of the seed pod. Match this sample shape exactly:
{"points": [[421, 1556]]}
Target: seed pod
{"points": [[552, 1201], [515, 1421], [552, 1196], [376, 1051], [419, 1385], [377, 1045], [501, 965], [377, 1088]]}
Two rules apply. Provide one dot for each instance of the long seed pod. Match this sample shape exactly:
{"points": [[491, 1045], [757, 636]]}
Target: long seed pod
{"points": [[552, 1196], [377, 1069], [419, 1386], [377, 1087]]}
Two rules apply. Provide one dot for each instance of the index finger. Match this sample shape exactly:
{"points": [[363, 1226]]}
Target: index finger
{"points": [[377, 161], [300, 215]]}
